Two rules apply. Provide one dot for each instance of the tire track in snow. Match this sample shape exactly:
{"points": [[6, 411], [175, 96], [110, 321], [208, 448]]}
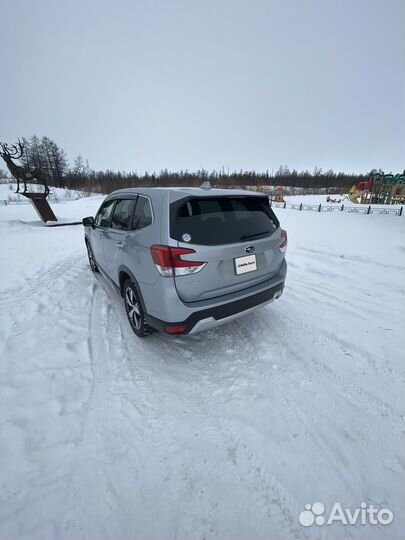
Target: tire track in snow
{"points": [[93, 359], [308, 410], [37, 312], [38, 297], [281, 385], [148, 400], [271, 496], [323, 446], [331, 343], [223, 431], [320, 445], [353, 404], [348, 348], [133, 393], [103, 449], [44, 280], [278, 384], [350, 258]]}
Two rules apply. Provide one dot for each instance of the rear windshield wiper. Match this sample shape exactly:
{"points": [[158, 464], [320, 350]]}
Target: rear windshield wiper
{"points": [[249, 236]]}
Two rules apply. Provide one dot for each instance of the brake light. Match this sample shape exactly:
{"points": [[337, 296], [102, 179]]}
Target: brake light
{"points": [[169, 262], [284, 241]]}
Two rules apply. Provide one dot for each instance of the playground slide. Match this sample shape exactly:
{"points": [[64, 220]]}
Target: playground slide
{"points": [[354, 197]]}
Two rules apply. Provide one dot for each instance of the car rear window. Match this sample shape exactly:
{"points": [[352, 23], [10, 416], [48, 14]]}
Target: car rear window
{"points": [[212, 221], [143, 213]]}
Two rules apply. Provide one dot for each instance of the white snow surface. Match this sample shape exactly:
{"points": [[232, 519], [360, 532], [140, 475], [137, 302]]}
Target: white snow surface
{"points": [[226, 434], [321, 199]]}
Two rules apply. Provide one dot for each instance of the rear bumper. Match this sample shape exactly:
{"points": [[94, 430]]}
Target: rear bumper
{"points": [[214, 316]]}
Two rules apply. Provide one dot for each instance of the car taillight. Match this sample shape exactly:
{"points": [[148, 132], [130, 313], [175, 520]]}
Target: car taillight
{"points": [[284, 241], [169, 263]]}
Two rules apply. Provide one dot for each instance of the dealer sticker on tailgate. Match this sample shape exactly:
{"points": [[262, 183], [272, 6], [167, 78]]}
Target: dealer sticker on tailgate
{"points": [[245, 264]]}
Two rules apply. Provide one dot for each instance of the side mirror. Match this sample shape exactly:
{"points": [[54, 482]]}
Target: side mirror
{"points": [[88, 221]]}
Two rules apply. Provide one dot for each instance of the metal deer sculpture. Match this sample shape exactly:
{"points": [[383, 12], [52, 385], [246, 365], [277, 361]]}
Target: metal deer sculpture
{"points": [[13, 152]]}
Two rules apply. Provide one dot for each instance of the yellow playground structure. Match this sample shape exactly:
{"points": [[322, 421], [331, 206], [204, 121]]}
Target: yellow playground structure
{"points": [[278, 194], [379, 189]]}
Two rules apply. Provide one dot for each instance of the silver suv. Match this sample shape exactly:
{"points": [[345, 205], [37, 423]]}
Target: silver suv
{"points": [[188, 259]]}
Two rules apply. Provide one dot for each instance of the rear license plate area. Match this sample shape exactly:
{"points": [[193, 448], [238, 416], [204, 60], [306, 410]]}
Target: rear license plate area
{"points": [[245, 264]]}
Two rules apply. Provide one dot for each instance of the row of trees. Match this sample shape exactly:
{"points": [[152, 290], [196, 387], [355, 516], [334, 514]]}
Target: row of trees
{"points": [[47, 155], [107, 181]]}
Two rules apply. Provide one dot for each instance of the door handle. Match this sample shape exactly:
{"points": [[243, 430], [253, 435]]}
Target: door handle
{"points": [[120, 245]]}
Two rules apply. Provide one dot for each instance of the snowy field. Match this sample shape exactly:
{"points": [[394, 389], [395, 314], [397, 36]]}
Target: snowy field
{"points": [[226, 434], [344, 199]]}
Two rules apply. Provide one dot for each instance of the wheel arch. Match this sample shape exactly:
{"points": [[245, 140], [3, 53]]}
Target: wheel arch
{"points": [[125, 273]]}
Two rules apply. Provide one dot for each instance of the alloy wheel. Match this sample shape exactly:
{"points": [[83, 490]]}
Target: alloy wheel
{"points": [[133, 310]]}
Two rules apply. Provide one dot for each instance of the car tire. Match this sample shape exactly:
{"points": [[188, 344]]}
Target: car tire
{"points": [[134, 310], [92, 260]]}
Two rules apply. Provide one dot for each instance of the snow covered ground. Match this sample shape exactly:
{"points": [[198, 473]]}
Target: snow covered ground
{"points": [[321, 199], [226, 434], [317, 199]]}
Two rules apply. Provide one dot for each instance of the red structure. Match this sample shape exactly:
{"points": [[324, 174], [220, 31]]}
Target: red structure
{"points": [[41, 205], [364, 186]]}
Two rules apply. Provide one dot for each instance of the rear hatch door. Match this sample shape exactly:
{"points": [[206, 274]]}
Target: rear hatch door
{"points": [[236, 236]]}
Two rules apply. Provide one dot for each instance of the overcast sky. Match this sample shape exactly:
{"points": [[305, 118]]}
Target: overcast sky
{"points": [[149, 84]]}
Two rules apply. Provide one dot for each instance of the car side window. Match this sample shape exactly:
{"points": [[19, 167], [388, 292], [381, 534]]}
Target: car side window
{"points": [[122, 214], [103, 217], [143, 213]]}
